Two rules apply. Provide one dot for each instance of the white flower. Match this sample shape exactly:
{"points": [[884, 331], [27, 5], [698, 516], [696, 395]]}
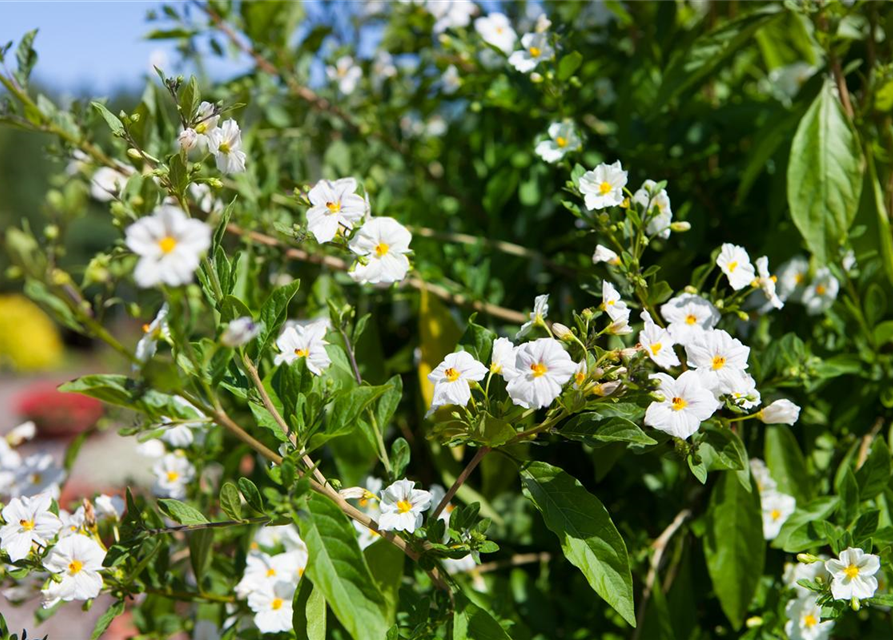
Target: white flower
{"points": [[852, 575], [743, 391], [620, 327], [22, 433], [225, 142], [240, 331], [502, 358], [686, 404], [272, 606], [792, 277], [603, 186], [496, 30], [107, 183], [766, 281], [28, 520], [658, 343], [382, 244], [562, 140], [285, 535], [345, 73], [777, 508], [263, 570], [760, 473], [848, 262], [537, 316], [804, 620], [151, 448], [450, 14], [796, 571], [786, 81], [205, 124], [603, 254], [689, 316], [72, 523], [172, 473], [154, 331], [403, 507], [612, 304], [307, 342], [735, 263], [382, 69], [535, 48], [780, 412], [821, 293], [38, 473], [111, 507], [450, 80], [170, 246], [365, 535], [542, 368], [719, 359], [660, 214], [335, 204], [188, 139], [580, 374], [77, 560], [451, 378]]}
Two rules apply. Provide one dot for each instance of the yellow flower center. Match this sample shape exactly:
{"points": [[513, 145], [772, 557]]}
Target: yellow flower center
{"points": [[580, 377], [172, 476], [276, 605], [690, 319], [302, 353], [333, 207], [224, 148], [851, 571], [799, 278], [300, 572], [732, 266], [655, 348], [809, 621], [775, 514], [27, 525], [538, 369], [718, 362], [381, 249], [679, 403], [451, 375], [201, 127], [271, 572], [499, 30], [404, 506], [495, 368], [820, 289], [75, 567], [535, 52], [625, 204], [167, 244], [561, 142], [773, 278], [36, 478], [604, 188]]}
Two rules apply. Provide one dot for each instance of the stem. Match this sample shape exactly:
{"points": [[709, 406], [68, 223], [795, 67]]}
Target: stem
{"points": [[546, 424], [208, 525], [515, 561], [190, 595], [460, 480]]}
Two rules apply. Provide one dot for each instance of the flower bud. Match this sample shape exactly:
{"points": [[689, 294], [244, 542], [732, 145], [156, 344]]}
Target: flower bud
{"points": [[536, 78], [240, 331], [51, 232], [215, 183], [135, 118], [855, 604], [134, 153], [59, 277], [807, 558], [743, 315], [562, 332], [780, 412], [352, 493], [680, 226], [587, 313], [187, 139], [753, 622]]}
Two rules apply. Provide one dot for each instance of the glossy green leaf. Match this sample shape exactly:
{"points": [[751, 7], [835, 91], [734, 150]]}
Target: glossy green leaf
{"points": [[470, 622], [231, 501], [595, 428], [309, 612], [786, 463], [181, 512]]}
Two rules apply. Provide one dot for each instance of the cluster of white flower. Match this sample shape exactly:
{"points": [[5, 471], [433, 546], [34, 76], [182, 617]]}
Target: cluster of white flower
{"points": [[496, 30], [30, 475], [381, 244], [776, 506], [345, 73], [66, 544], [223, 140], [274, 566], [816, 293], [535, 48]]}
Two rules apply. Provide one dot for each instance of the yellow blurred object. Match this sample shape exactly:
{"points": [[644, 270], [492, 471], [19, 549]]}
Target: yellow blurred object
{"points": [[438, 336], [29, 341]]}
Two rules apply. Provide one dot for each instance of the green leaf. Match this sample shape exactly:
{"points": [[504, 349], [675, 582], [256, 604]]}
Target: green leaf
{"points": [[386, 564], [26, 57], [251, 494], [477, 340], [824, 175], [104, 620], [722, 450], [569, 64], [874, 475], [273, 313], [309, 612], [848, 490], [190, 98], [709, 52], [181, 512], [800, 532], [200, 542], [399, 457], [347, 408], [339, 570], [594, 428], [733, 546], [588, 537], [470, 622], [884, 233], [231, 501], [111, 119], [786, 463]]}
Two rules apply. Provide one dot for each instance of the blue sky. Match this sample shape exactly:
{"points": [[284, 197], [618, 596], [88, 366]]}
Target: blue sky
{"points": [[91, 47]]}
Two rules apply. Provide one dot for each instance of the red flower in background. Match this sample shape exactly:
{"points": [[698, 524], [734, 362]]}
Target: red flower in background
{"points": [[56, 413]]}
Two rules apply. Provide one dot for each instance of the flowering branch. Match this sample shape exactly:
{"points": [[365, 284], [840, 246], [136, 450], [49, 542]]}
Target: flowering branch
{"points": [[447, 498]]}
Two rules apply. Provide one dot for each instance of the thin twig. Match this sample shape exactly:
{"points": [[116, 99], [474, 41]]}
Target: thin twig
{"points": [[207, 525], [478, 456], [189, 595], [867, 439], [515, 561]]}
